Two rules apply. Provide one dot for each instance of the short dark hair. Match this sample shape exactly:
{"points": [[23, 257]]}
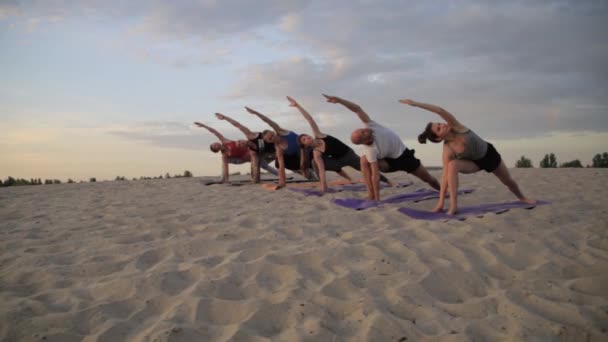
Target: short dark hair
{"points": [[428, 134]]}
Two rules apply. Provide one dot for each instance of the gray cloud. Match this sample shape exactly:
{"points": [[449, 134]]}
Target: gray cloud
{"points": [[507, 69], [513, 69]]}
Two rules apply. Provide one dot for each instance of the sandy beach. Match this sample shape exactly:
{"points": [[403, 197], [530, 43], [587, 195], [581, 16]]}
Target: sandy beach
{"points": [[175, 260]]}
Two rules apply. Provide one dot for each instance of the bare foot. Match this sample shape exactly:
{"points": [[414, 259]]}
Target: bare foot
{"points": [[452, 211], [528, 200]]}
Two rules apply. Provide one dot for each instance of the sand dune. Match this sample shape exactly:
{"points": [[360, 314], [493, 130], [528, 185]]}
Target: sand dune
{"points": [[174, 260]]}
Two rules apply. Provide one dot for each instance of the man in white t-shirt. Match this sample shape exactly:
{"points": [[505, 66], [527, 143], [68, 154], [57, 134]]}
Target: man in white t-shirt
{"points": [[384, 151]]}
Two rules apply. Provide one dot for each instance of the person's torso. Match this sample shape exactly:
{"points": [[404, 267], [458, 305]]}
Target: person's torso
{"points": [[386, 142], [333, 147], [237, 150], [468, 146], [260, 146], [289, 144]]}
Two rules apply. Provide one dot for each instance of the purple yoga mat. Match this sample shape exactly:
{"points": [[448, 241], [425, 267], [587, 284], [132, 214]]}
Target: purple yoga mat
{"points": [[314, 192], [340, 188], [464, 212], [416, 196]]}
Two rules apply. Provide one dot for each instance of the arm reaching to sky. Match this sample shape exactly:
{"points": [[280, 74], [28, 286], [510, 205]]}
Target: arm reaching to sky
{"points": [[445, 115], [248, 133], [311, 121], [274, 125], [215, 132], [352, 106]]}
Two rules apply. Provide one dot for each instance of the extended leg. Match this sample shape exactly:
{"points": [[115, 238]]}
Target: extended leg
{"points": [[503, 174], [424, 175]]}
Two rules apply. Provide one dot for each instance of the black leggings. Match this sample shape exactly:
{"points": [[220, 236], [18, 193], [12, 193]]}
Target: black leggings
{"points": [[349, 159]]}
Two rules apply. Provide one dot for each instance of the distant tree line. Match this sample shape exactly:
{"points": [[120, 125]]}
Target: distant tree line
{"points": [[550, 161], [10, 181]]}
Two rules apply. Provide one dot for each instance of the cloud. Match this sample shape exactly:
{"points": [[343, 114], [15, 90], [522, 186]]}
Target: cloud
{"points": [[500, 66], [162, 133]]}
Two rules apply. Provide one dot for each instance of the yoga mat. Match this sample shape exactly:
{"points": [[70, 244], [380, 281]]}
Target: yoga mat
{"points": [[416, 196], [289, 180], [464, 212], [362, 187], [340, 188]]}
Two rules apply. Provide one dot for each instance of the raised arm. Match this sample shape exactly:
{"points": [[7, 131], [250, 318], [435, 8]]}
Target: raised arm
{"points": [[352, 106], [212, 130], [249, 134], [274, 125], [311, 121], [445, 115]]}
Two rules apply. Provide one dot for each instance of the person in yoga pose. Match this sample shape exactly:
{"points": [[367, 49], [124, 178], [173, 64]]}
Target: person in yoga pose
{"points": [[233, 152], [329, 153], [262, 152], [463, 152], [384, 151], [288, 154]]}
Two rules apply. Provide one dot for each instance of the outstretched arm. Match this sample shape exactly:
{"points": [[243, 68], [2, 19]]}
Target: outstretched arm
{"points": [[249, 134], [212, 130], [311, 121], [274, 125], [445, 115], [352, 106]]}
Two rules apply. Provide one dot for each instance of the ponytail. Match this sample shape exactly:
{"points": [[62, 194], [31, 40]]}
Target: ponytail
{"points": [[428, 134], [422, 138]]}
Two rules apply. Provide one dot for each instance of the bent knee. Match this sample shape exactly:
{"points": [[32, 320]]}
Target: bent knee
{"points": [[453, 166]]}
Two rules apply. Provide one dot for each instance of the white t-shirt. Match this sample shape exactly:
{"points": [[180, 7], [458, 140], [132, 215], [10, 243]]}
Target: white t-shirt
{"points": [[387, 144]]}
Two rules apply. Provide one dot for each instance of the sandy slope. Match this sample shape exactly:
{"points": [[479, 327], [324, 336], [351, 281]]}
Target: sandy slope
{"points": [[173, 260]]}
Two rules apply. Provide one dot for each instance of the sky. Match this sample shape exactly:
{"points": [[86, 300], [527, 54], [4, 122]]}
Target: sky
{"points": [[103, 88]]}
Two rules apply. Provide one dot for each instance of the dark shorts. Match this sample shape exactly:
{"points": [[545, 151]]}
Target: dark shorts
{"points": [[350, 158], [292, 162], [490, 161], [405, 162]]}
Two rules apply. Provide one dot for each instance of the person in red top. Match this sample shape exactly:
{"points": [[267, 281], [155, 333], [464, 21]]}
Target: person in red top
{"points": [[233, 152]]}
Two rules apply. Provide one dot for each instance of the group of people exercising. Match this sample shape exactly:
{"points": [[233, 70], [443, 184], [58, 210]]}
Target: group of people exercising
{"points": [[463, 152]]}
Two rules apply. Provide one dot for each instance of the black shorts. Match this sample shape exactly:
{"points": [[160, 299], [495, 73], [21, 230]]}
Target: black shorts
{"points": [[292, 161], [405, 162], [490, 161]]}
